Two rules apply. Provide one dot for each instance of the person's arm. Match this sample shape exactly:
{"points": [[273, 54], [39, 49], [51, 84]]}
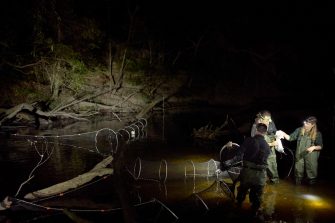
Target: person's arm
{"points": [[286, 136], [237, 158], [292, 136], [313, 148], [318, 144]]}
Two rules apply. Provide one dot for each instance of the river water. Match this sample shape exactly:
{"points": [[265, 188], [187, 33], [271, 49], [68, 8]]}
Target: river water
{"points": [[167, 175]]}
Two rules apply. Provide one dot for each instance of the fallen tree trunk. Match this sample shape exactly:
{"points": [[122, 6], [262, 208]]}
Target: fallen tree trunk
{"points": [[99, 170], [86, 98], [12, 112]]}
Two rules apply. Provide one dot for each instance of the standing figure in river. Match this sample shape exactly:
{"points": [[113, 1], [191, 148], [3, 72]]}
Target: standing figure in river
{"points": [[254, 152], [270, 137], [309, 144]]}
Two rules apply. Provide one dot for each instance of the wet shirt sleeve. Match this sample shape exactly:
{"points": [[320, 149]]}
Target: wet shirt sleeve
{"points": [[294, 135]]}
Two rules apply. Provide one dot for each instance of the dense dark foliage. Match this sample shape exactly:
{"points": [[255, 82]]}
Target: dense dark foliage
{"points": [[287, 46]]}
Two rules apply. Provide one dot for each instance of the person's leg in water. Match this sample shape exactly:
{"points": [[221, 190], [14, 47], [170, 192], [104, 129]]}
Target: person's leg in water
{"points": [[242, 192], [299, 171], [272, 171], [255, 196], [311, 162]]}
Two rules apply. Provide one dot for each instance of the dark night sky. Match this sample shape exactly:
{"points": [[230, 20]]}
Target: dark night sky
{"points": [[300, 33]]}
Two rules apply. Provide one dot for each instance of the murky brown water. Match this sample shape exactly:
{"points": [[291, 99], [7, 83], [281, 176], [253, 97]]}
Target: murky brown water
{"points": [[284, 202]]}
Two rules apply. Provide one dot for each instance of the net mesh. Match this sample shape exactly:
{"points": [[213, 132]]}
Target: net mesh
{"points": [[202, 178], [104, 141]]}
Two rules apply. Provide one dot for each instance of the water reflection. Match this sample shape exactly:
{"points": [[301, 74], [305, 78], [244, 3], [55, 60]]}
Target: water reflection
{"points": [[303, 203], [168, 187], [284, 202]]}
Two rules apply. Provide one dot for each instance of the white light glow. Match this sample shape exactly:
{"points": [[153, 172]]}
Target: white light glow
{"points": [[311, 197]]}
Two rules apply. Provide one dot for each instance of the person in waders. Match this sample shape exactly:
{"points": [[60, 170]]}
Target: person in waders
{"points": [[270, 137], [309, 144]]}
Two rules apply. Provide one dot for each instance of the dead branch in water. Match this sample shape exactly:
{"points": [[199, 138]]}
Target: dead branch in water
{"points": [[99, 170]]}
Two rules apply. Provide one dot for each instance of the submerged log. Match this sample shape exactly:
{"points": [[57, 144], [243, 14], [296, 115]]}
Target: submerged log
{"points": [[99, 170]]}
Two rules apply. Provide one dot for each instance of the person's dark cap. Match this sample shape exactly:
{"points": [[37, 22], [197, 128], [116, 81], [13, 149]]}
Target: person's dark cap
{"points": [[311, 119], [262, 128]]}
